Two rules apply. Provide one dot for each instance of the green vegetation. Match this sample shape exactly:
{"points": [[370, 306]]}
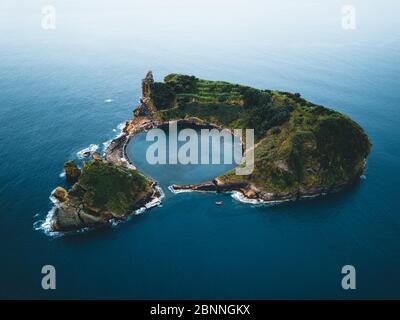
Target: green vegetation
{"points": [[162, 95], [317, 147], [112, 188], [299, 144], [231, 105]]}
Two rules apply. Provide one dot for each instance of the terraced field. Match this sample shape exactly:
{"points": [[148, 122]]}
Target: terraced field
{"points": [[205, 91]]}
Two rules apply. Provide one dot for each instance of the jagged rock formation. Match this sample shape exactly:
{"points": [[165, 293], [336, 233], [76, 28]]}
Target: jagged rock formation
{"points": [[145, 108], [96, 157], [147, 83], [61, 194], [72, 172]]}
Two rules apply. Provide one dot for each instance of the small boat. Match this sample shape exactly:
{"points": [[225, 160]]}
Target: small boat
{"points": [[219, 202]]}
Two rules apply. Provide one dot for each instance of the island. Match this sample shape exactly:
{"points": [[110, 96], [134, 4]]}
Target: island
{"points": [[302, 150]]}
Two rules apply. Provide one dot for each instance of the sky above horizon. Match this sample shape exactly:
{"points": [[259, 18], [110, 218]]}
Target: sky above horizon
{"points": [[187, 23]]}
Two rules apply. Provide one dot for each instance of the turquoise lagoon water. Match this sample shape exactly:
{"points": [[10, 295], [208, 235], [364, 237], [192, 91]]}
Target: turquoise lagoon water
{"points": [[170, 172], [55, 88]]}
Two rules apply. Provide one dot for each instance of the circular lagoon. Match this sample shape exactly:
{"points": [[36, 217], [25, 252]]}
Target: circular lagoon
{"points": [[190, 159]]}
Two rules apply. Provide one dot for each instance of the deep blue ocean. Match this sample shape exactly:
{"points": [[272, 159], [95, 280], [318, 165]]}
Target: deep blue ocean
{"points": [[54, 91]]}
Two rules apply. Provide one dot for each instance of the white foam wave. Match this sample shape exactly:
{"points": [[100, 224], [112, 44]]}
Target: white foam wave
{"points": [[147, 206], [161, 191], [108, 100], [106, 145], [156, 202], [170, 188], [46, 225], [87, 151], [140, 210], [121, 126], [238, 196], [53, 199], [119, 129]]}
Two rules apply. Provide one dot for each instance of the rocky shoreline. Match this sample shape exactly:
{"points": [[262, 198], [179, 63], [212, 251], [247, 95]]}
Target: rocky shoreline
{"points": [[68, 214], [251, 194]]}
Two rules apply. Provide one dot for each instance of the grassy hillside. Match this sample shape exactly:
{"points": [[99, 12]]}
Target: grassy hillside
{"points": [[300, 144], [231, 105], [317, 147], [112, 188]]}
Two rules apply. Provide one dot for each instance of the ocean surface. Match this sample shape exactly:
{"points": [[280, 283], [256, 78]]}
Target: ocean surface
{"points": [[64, 89]]}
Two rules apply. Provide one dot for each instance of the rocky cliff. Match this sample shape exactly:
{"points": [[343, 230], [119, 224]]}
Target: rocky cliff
{"points": [[72, 172], [102, 193]]}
